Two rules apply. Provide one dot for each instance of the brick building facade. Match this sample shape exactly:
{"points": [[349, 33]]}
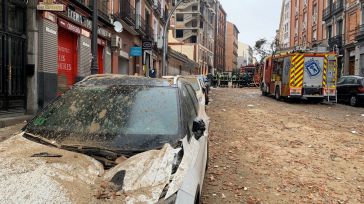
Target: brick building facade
{"points": [[232, 36]]}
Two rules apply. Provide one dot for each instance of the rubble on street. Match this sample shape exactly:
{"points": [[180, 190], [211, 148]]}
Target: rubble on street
{"points": [[265, 151]]}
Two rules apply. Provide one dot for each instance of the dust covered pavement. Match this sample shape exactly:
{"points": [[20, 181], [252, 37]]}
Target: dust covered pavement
{"points": [[264, 151]]}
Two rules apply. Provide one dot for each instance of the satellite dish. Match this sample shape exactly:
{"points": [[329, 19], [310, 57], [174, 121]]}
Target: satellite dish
{"points": [[118, 27]]}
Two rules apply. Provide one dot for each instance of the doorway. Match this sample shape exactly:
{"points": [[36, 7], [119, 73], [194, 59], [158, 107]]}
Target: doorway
{"points": [[12, 56]]}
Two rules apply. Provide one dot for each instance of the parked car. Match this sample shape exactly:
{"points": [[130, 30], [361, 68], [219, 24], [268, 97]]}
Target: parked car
{"points": [[197, 85], [350, 89], [205, 87], [110, 138]]}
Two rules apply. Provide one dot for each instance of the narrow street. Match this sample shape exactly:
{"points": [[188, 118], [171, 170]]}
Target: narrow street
{"points": [[264, 151]]}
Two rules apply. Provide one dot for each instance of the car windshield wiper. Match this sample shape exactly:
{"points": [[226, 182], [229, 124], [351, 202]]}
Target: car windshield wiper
{"points": [[41, 140], [92, 151]]}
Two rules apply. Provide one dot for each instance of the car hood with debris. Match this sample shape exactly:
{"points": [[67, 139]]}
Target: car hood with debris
{"points": [[36, 173]]}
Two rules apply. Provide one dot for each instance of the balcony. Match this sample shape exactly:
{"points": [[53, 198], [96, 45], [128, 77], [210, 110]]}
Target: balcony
{"points": [[127, 13], [149, 32], [333, 9], [337, 40], [157, 7], [103, 8], [360, 33], [140, 25], [150, 2]]}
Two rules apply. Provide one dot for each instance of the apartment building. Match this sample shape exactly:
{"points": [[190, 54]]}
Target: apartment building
{"points": [[194, 27], [245, 54], [232, 36], [284, 33], [336, 25], [220, 38]]}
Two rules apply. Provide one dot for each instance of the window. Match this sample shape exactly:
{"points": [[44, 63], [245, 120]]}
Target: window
{"points": [[130, 115], [16, 18], [314, 35], [189, 112], [1, 14], [179, 33], [194, 8], [193, 97], [329, 31], [339, 27], [179, 17]]}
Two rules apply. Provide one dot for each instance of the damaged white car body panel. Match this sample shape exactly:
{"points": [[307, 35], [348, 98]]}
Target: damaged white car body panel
{"points": [[77, 178]]}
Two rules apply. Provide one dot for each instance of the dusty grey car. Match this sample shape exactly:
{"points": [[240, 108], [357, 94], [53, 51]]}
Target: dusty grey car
{"points": [[112, 139]]}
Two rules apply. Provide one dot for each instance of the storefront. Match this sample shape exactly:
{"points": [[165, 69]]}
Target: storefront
{"points": [[65, 50], [12, 56]]}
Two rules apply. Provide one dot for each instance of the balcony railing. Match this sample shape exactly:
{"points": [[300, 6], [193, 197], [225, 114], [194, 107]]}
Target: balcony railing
{"points": [[333, 9], [158, 7], [102, 6], [149, 32], [337, 40], [360, 33], [127, 12], [140, 24]]}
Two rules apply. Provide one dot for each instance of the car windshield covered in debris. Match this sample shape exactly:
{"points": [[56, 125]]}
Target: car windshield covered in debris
{"points": [[111, 116]]}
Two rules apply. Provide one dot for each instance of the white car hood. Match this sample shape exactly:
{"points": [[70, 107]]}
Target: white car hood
{"points": [[77, 178]]}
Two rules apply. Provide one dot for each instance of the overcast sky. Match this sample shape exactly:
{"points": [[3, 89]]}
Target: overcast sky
{"points": [[255, 19]]}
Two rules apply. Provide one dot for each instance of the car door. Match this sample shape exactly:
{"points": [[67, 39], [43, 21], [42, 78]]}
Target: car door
{"points": [[202, 155], [350, 88], [340, 88]]}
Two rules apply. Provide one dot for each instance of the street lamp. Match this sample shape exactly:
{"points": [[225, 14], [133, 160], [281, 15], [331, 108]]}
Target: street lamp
{"points": [[94, 62], [165, 35]]}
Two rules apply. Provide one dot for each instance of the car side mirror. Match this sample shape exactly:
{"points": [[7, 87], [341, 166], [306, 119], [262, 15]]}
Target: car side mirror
{"points": [[198, 128]]}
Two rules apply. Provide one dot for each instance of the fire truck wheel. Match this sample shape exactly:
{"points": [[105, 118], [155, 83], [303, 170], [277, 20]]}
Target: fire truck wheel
{"points": [[353, 100], [277, 94]]}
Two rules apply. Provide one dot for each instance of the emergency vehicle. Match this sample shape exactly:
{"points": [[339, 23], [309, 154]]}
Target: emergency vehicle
{"points": [[300, 75]]}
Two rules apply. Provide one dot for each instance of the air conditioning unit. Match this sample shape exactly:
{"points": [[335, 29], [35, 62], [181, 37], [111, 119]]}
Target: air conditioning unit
{"points": [[116, 42]]}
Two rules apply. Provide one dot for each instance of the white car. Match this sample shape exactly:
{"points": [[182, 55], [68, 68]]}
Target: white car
{"points": [[111, 138], [196, 83]]}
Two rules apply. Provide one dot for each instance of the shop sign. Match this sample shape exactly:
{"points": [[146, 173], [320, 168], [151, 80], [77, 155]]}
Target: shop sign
{"points": [[103, 33], [101, 42], [50, 30], [49, 5], [50, 16], [124, 54], [85, 33], [69, 26], [147, 45], [79, 18], [136, 51]]}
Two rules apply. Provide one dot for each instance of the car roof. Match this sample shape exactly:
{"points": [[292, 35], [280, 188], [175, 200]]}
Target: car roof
{"points": [[115, 79]]}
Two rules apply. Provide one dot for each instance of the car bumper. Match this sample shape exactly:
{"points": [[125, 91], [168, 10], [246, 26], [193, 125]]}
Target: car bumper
{"points": [[360, 98]]}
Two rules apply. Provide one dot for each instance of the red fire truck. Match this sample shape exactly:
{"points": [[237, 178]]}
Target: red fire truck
{"points": [[302, 75]]}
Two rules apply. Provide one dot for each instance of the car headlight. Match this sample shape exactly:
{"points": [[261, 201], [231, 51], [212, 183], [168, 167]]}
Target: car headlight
{"points": [[170, 200]]}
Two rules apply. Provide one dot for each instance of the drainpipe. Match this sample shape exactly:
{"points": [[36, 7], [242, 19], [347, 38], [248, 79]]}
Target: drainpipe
{"points": [[94, 62]]}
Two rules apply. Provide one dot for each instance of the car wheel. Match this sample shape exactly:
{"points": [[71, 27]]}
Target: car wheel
{"points": [[277, 94], [354, 101]]}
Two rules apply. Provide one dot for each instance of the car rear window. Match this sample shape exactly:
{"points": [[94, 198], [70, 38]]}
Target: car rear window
{"points": [[361, 81]]}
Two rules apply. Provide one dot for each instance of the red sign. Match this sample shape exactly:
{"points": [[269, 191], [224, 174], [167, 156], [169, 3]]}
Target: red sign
{"points": [[69, 26], [67, 59], [101, 42]]}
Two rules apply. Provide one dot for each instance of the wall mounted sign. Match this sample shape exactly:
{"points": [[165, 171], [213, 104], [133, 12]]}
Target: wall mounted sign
{"points": [[79, 18], [136, 51], [69, 26], [49, 5], [147, 45]]}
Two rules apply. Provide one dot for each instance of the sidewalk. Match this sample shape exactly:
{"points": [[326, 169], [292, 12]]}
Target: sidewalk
{"points": [[7, 132]]}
